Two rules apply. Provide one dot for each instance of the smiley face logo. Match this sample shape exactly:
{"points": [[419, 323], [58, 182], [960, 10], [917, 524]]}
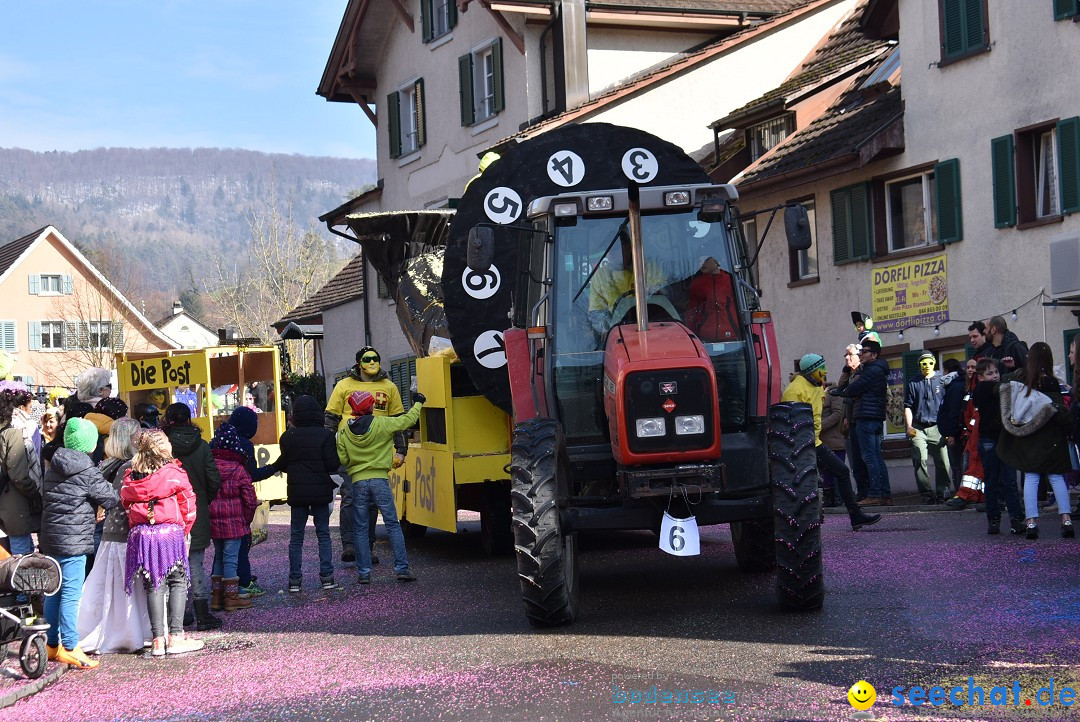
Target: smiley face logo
{"points": [[862, 695]]}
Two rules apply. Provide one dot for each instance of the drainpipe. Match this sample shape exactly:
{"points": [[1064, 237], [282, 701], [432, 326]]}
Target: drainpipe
{"points": [[575, 53], [555, 15], [363, 282]]}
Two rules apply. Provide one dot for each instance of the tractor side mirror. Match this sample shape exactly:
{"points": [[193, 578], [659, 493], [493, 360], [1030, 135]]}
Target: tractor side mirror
{"points": [[481, 248], [797, 227]]}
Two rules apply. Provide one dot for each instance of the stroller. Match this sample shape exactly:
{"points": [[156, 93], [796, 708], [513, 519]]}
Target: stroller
{"points": [[28, 576]]}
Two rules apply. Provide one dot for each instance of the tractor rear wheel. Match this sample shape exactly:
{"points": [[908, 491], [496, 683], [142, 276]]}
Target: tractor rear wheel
{"points": [[755, 550], [800, 583], [546, 556]]}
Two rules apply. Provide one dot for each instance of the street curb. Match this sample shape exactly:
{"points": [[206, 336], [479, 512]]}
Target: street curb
{"points": [[34, 687]]}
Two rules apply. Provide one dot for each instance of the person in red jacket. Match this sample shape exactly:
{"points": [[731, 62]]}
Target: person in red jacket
{"points": [[231, 513], [161, 511]]}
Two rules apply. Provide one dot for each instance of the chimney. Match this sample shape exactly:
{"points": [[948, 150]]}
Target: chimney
{"points": [[177, 308], [575, 53]]}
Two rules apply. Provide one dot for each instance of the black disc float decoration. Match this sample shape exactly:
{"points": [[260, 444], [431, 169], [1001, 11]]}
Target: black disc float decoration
{"points": [[585, 157]]}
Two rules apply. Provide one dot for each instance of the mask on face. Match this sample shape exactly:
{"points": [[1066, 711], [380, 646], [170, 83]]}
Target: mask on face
{"points": [[927, 366], [369, 363]]}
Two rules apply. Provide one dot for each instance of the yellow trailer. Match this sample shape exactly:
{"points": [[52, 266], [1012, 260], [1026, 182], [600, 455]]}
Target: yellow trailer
{"points": [[461, 460], [228, 370]]}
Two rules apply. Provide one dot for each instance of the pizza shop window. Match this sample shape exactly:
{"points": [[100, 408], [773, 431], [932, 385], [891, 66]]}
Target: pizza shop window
{"points": [[918, 209], [803, 265], [910, 213]]}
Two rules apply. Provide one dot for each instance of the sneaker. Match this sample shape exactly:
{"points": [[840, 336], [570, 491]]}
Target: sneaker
{"points": [[159, 648], [294, 586], [1067, 531], [1032, 531], [364, 579], [251, 590], [183, 645], [348, 554], [328, 584], [406, 576], [956, 503]]}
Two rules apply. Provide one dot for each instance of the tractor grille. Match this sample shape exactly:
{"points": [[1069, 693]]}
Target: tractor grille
{"points": [[646, 397]]}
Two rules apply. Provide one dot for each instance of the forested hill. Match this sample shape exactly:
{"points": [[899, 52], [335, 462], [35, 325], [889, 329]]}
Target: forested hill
{"points": [[167, 213]]}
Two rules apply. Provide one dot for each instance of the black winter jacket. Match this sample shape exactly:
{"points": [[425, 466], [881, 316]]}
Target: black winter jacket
{"points": [[194, 454], [950, 421], [308, 455], [869, 387], [73, 489], [1011, 345]]}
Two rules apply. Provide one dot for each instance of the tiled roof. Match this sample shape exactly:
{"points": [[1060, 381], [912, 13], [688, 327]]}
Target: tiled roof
{"points": [[10, 251], [659, 73], [845, 51], [841, 131], [346, 286]]}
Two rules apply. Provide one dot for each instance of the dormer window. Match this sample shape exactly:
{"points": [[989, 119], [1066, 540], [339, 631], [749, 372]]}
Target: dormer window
{"points": [[763, 136]]}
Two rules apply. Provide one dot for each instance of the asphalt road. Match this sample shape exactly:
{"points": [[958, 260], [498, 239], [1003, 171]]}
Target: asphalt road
{"points": [[919, 599]]}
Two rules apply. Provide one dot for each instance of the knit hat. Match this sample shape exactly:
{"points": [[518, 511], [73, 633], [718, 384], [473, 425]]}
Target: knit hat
{"points": [[810, 362], [112, 407], [80, 435], [927, 354], [227, 438], [245, 421], [361, 402]]}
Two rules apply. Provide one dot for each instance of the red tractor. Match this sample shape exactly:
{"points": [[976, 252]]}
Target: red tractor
{"points": [[639, 368]]}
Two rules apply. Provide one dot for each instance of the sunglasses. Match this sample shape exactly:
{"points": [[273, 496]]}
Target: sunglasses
{"points": [[369, 359]]}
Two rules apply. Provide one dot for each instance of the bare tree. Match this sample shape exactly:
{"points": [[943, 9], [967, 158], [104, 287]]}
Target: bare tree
{"points": [[276, 271]]}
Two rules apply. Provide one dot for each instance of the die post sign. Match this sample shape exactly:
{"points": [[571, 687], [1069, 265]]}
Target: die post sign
{"points": [[162, 371], [913, 293]]}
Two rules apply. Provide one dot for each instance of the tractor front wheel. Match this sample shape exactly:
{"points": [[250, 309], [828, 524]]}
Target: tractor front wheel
{"points": [[800, 582], [546, 556]]}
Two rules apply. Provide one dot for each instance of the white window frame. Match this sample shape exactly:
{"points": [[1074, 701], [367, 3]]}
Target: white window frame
{"points": [[408, 127], [60, 326], [440, 18], [42, 283], [484, 82], [1044, 155], [807, 261], [929, 212], [96, 328], [14, 347]]}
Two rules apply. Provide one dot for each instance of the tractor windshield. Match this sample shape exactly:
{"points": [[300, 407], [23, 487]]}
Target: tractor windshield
{"points": [[689, 279]]}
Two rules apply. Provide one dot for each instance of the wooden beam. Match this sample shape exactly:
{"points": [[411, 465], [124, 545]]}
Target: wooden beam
{"points": [[504, 25], [403, 14], [362, 101]]}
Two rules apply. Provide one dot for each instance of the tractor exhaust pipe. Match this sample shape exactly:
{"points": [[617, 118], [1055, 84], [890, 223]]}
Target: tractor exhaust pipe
{"points": [[637, 252]]}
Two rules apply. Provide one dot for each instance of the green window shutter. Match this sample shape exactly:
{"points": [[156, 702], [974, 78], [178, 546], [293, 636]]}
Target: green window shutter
{"points": [[1064, 9], [35, 336], [841, 213], [468, 113], [393, 124], [861, 233], [35, 284], [974, 34], [910, 362], [1004, 181], [68, 286], [418, 112], [952, 41], [381, 289], [497, 64], [452, 13], [969, 351], [1068, 133], [949, 208], [425, 19]]}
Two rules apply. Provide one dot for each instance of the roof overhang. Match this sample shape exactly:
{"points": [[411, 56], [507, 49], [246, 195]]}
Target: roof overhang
{"points": [[293, 330]]}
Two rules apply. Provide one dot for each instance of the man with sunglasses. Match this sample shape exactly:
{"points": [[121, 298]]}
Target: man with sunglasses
{"points": [[367, 375], [922, 399]]}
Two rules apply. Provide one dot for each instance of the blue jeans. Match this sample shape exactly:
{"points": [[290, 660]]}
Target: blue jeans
{"points": [[23, 544], [1000, 482], [1031, 493], [320, 515], [869, 434], [243, 563], [858, 466], [226, 553], [363, 492], [346, 516], [62, 608]]}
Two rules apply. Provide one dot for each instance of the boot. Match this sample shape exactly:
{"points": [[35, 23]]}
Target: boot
{"points": [[206, 620], [217, 593], [993, 524], [859, 518], [75, 658], [232, 600], [189, 616], [1017, 525]]}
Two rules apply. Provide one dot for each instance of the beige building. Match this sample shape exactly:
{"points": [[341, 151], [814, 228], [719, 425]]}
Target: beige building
{"points": [[946, 199], [59, 315]]}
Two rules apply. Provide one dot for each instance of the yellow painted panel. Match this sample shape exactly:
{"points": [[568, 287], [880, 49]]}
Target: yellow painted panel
{"points": [[433, 380], [474, 469], [274, 488], [161, 371], [398, 477], [431, 500], [479, 427]]}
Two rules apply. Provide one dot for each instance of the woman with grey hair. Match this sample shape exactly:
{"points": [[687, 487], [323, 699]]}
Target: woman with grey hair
{"points": [[109, 619], [91, 386]]}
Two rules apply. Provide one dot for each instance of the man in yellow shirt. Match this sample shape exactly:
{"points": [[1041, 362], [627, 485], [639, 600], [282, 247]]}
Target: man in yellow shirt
{"points": [[808, 387], [367, 375]]}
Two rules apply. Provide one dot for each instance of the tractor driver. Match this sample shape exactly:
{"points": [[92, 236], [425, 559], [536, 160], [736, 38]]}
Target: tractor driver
{"points": [[611, 297]]}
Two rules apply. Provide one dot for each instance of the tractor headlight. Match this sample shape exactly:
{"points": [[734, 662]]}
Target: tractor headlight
{"points": [[689, 425], [677, 198], [600, 203], [562, 210], [650, 427]]}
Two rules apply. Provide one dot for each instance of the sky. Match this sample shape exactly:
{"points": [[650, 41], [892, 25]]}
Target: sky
{"points": [[83, 74]]}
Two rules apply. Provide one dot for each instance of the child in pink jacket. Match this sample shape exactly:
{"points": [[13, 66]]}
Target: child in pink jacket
{"points": [[231, 513]]}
